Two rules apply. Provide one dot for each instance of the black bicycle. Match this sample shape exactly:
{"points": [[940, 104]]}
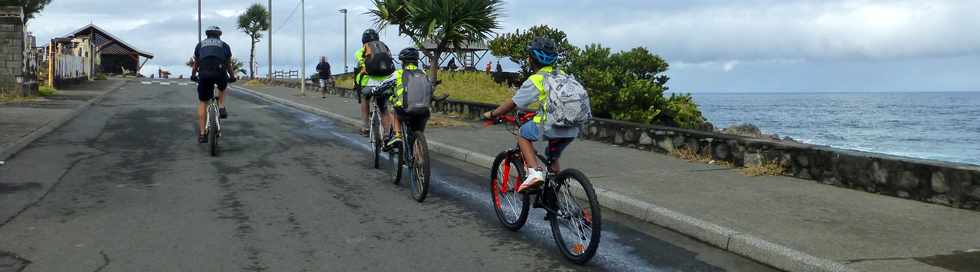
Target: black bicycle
{"points": [[212, 126], [567, 196]]}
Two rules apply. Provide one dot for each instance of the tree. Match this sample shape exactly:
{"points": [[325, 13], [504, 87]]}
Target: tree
{"points": [[253, 22], [514, 45], [31, 7], [444, 23], [630, 86]]}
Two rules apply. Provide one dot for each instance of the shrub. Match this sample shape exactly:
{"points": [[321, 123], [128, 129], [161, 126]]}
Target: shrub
{"points": [[45, 90], [514, 45], [101, 76], [630, 86]]}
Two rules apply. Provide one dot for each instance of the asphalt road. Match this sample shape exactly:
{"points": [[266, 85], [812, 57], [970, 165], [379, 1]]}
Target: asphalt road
{"points": [[125, 187]]}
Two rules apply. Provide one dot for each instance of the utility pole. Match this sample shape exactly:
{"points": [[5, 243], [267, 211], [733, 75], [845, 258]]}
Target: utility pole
{"points": [[302, 69], [270, 40], [198, 20], [344, 11]]}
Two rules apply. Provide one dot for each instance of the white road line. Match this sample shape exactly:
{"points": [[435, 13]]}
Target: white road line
{"points": [[146, 82], [164, 83]]}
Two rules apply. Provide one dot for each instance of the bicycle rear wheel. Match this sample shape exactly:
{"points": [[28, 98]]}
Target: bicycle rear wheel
{"points": [[420, 166], [213, 132], [506, 174], [577, 226], [376, 141]]}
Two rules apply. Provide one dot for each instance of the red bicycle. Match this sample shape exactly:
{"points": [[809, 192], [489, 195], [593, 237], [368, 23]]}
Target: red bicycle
{"points": [[567, 196]]}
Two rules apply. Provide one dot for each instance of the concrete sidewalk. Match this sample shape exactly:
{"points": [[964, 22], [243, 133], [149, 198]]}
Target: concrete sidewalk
{"points": [[22, 122], [791, 224]]}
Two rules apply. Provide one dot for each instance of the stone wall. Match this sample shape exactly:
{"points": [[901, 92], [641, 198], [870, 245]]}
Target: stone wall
{"points": [[944, 183], [11, 51]]}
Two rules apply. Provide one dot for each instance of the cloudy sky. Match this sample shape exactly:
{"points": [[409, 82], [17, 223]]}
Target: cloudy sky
{"points": [[712, 46]]}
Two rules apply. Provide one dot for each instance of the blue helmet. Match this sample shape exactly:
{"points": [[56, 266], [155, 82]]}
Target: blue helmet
{"points": [[543, 50]]}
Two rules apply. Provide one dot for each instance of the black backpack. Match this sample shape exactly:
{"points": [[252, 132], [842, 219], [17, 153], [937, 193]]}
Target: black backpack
{"points": [[378, 62]]}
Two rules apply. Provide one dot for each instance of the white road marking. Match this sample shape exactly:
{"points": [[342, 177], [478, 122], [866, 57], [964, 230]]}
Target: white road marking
{"points": [[164, 83], [146, 82]]}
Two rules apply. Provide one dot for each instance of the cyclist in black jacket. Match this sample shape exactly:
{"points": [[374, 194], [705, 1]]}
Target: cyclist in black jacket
{"points": [[212, 59]]}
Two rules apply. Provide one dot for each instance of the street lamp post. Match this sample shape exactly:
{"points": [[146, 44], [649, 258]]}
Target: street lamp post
{"points": [[302, 80], [344, 11], [198, 20], [270, 40]]}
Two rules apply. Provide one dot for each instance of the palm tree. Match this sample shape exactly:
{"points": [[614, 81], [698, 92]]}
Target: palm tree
{"points": [[253, 22], [441, 22]]}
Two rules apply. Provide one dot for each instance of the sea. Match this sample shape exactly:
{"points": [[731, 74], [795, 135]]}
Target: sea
{"points": [[941, 126]]}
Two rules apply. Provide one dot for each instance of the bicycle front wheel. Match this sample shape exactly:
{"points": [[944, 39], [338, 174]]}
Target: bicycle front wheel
{"points": [[420, 166], [577, 226], [506, 175], [376, 141]]}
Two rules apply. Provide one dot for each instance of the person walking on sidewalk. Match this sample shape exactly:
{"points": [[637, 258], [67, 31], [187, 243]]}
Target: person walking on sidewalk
{"points": [[543, 54], [212, 59], [323, 70], [374, 64]]}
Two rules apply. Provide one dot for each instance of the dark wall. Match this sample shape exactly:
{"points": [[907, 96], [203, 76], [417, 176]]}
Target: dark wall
{"points": [[113, 64]]}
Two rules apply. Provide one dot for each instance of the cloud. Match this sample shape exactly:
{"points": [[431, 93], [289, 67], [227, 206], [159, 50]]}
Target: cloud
{"points": [[762, 30], [729, 66], [703, 37]]}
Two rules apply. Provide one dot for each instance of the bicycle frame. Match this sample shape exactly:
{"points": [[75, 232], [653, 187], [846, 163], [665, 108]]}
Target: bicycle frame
{"points": [[212, 110]]}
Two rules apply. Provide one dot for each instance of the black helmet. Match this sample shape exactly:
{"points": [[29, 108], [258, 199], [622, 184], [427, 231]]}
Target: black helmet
{"points": [[409, 54], [543, 50], [369, 36]]}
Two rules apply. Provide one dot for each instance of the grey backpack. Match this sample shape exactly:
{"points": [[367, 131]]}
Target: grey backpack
{"points": [[568, 102], [418, 92]]}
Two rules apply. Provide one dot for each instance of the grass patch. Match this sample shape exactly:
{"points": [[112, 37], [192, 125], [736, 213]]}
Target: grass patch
{"points": [[461, 86], [101, 77], [45, 90], [472, 86], [254, 83], [16, 98], [344, 82], [765, 169], [445, 121], [691, 155]]}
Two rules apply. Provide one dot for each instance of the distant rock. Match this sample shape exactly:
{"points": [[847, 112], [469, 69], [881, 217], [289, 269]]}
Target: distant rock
{"points": [[752, 131]]}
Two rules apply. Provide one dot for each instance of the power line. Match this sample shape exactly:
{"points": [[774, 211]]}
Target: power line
{"points": [[290, 17]]}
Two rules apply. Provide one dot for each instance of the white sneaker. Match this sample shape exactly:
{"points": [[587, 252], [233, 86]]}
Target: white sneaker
{"points": [[534, 178]]}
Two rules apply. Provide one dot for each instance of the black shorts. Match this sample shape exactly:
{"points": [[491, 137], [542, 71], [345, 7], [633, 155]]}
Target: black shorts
{"points": [[206, 83], [416, 122]]}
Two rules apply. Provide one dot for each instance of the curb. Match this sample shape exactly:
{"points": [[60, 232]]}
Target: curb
{"points": [[743, 244], [11, 149]]}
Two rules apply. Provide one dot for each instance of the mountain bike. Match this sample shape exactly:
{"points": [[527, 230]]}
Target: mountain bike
{"points": [[413, 153], [567, 196], [375, 129], [212, 126]]}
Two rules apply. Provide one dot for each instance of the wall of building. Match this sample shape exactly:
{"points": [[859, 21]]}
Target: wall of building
{"points": [[12, 52]]}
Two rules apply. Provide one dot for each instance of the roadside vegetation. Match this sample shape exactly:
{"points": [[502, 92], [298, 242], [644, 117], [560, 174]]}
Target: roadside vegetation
{"points": [[45, 90], [765, 169]]}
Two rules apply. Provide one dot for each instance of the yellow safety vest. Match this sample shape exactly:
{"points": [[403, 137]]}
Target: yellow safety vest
{"points": [[538, 80]]}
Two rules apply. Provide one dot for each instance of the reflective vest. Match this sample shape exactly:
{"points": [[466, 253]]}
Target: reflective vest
{"points": [[538, 80]]}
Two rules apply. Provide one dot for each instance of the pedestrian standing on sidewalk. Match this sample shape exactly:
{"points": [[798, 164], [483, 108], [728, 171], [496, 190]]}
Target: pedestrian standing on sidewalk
{"points": [[323, 70]]}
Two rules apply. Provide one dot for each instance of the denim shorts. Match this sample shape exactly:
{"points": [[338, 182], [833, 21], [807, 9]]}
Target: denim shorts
{"points": [[532, 132]]}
